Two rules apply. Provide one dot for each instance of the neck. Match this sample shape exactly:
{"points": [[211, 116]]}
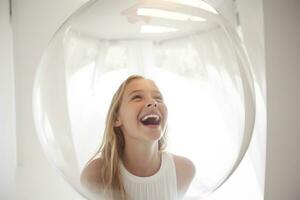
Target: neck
{"points": [[142, 159]]}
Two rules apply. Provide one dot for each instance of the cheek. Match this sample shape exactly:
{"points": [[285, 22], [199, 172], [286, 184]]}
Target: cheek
{"points": [[164, 111], [128, 116]]}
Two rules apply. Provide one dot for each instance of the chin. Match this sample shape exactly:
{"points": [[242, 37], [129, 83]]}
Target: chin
{"points": [[154, 135]]}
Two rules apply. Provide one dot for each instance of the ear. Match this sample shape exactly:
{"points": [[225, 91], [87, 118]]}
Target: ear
{"points": [[117, 123]]}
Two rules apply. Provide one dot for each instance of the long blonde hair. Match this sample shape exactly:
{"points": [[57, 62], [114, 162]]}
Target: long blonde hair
{"points": [[112, 147]]}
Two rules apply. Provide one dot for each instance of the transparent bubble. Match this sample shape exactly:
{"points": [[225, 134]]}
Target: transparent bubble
{"points": [[186, 47]]}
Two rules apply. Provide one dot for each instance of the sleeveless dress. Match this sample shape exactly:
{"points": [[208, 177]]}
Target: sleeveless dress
{"points": [[160, 186]]}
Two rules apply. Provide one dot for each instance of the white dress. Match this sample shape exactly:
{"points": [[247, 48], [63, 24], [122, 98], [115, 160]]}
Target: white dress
{"points": [[160, 186]]}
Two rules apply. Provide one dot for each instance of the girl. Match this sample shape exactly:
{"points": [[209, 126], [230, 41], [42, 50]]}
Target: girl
{"points": [[131, 163]]}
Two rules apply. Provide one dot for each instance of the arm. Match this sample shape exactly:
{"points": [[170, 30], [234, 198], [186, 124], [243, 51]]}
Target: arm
{"points": [[90, 177], [185, 171]]}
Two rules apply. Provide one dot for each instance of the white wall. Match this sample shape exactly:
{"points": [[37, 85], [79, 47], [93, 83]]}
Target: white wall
{"points": [[250, 15], [7, 107], [34, 22], [282, 32]]}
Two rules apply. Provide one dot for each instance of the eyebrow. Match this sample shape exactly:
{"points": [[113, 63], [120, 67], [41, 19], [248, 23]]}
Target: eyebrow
{"points": [[154, 91], [134, 91]]}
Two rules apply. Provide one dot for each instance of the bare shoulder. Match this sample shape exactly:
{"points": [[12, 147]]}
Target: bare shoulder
{"points": [[90, 176], [184, 165], [185, 171]]}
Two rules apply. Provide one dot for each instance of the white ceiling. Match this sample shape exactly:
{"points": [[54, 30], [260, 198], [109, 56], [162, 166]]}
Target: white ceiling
{"points": [[103, 20]]}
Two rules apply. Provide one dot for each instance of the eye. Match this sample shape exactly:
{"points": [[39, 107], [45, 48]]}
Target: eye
{"points": [[136, 97], [159, 98]]}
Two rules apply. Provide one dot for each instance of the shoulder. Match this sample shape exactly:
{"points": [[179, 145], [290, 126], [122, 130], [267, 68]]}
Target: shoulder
{"points": [[90, 175], [185, 172], [184, 165]]}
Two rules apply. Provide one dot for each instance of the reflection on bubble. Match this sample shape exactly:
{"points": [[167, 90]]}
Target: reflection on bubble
{"points": [[190, 52]]}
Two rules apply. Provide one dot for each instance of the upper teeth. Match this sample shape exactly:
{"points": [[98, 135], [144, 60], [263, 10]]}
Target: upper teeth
{"points": [[150, 116]]}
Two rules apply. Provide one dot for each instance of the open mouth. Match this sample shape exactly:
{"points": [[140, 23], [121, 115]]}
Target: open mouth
{"points": [[151, 119]]}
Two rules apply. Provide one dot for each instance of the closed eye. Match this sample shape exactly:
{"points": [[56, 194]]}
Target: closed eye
{"points": [[159, 98], [136, 97]]}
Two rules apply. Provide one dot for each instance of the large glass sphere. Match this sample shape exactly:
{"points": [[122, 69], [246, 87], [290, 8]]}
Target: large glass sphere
{"points": [[186, 47]]}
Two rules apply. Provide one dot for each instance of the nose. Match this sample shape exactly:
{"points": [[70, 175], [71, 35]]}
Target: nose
{"points": [[151, 103]]}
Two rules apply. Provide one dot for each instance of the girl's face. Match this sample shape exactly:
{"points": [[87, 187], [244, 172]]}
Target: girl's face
{"points": [[142, 115]]}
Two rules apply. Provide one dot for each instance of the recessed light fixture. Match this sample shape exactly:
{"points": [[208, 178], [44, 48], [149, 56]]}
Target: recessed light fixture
{"points": [[156, 29], [165, 14], [197, 4]]}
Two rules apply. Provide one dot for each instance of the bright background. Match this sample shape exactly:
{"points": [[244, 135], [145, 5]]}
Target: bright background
{"points": [[26, 174]]}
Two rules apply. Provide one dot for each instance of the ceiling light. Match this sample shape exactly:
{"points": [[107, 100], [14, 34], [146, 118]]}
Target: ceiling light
{"points": [[151, 12], [156, 29], [197, 4]]}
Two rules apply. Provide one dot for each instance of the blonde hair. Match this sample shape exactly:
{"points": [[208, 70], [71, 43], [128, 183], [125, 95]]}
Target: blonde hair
{"points": [[112, 147]]}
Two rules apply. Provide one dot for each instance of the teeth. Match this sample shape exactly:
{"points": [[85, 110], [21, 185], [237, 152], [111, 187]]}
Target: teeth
{"points": [[150, 116]]}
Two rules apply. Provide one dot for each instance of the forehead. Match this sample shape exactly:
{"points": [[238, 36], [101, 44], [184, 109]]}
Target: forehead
{"points": [[140, 84]]}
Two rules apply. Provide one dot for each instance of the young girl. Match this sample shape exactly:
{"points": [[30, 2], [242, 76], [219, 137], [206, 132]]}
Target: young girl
{"points": [[131, 163]]}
